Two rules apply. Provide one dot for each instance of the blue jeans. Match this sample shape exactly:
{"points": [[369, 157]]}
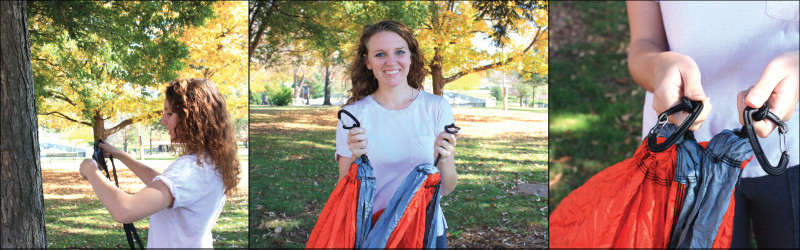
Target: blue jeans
{"points": [[770, 203]]}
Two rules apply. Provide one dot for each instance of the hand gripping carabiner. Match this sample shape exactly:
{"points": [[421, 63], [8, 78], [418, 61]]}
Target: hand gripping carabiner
{"points": [[451, 129], [693, 107], [750, 115]]}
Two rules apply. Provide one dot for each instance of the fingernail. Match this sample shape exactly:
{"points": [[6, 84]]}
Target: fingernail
{"points": [[754, 99], [697, 94]]}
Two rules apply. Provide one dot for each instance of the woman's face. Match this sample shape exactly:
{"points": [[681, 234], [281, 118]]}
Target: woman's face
{"points": [[389, 58], [169, 119]]}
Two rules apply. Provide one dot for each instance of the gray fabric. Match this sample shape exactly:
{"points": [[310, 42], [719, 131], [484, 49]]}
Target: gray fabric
{"points": [[365, 198], [718, 174], [687, 164], [395, 210]]}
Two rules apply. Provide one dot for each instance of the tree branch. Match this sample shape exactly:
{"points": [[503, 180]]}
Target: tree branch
{"points": [[58, 114], [60, 96], [454, 77], [128, 122]]}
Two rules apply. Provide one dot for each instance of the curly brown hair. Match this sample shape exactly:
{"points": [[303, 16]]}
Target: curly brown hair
{"points": [[363, 80], [204, 127]]}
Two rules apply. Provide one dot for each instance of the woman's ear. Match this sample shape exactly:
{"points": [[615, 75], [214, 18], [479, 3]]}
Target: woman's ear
{"points": [[366, 62]]}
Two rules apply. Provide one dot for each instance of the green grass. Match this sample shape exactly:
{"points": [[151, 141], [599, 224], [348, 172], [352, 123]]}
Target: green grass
{"points": [[75, 218], [596, 106], [293, 172]]}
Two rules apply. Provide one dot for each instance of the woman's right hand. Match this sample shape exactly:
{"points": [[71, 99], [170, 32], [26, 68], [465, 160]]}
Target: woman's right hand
{"points": [[677, 75], [357, 141]]}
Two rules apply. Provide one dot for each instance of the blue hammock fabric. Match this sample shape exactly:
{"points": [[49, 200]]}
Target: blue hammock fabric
{"points": [[366, 196], [707, 201], [377, 236], [397, 206]]}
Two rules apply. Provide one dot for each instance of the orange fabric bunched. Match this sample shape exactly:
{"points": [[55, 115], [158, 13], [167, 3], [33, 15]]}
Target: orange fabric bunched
{"points": [[336, 226], [625, 205], [410, 230]]}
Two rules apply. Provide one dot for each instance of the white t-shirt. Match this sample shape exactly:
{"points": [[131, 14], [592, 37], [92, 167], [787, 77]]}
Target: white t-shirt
{"points": [[397, 140], [732, 42], [199, 197]]}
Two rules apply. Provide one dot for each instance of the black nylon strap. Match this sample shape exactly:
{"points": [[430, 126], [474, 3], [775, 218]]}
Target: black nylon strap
{"points": [[429, 216], [130, 229]]}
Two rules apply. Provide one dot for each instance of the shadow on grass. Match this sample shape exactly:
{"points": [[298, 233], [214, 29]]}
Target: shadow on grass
{"points": [[293, 172]]}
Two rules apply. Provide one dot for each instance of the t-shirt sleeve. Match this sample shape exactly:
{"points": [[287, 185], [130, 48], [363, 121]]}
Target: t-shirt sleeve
{"points": [[181, 179], [444, 116]]}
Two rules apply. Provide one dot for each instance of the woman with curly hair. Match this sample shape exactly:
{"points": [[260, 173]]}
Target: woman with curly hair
{"points": [[403, 124], [185, 201]]}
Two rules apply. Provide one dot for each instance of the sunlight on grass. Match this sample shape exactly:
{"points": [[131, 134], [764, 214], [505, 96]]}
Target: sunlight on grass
{"points": [[76, 219], [572, 122]]}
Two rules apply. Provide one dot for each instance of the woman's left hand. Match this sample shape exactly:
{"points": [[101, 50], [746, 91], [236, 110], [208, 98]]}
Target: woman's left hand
{"points": [[445, 144], [86, 166]]}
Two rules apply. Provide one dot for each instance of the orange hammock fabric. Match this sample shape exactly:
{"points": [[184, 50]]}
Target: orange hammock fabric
{"points": [[410, 220], [334, 213], [624, 205], [644, 201]]}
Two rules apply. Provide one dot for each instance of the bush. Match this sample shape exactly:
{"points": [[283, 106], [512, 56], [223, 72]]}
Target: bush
{"points": [[281, 97], [497, 92], [255, 98]]}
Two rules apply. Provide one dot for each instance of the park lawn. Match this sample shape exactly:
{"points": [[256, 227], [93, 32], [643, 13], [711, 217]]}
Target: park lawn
{"points": [[75, 218], [596, 107], [293, 172]]}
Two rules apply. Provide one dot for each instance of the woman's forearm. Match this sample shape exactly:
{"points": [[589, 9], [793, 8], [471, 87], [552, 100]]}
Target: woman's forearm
{"points": [[642, 63], [648, 40], [145, 173], [114, 199], [447, 168]]}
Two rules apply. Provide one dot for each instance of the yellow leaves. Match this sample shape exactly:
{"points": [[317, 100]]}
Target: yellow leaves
{"points": [[218, 52], [467, 82]]}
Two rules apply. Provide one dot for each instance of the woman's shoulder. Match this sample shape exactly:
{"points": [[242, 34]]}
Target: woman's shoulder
{"points": [[189, 161], [431, 100]]}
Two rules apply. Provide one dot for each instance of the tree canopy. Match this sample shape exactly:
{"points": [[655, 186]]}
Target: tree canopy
{"points": [[108, 61], [326, 32]]}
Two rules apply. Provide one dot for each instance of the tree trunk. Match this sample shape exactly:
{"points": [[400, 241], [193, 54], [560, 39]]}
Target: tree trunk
{"points": [[436, 72], [98, 127], [327, 100], [21, 174]]}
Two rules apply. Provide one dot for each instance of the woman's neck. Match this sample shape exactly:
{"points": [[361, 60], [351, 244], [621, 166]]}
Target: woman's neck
{"points": [[395, 98]]}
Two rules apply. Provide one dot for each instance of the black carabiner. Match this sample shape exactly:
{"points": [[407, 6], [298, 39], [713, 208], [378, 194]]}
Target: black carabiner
{"points": [[693, 107], [339, 115], [358, 124], [750, 115]]}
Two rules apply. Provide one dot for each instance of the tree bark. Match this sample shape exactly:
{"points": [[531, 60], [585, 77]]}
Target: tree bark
{"points": [[436, 72], [22, 208], [99, 126], [327, 100]]}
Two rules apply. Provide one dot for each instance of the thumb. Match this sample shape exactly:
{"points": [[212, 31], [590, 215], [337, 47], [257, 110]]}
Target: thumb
{"points": [[760, 92], [692, 88]]}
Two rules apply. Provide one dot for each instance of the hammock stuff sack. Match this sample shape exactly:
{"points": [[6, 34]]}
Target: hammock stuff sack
{"points": [[674, 192], [412, 218]]}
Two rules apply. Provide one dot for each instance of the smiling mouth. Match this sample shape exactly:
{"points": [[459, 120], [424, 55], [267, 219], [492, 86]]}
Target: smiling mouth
{"points": [[392, 72]]}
